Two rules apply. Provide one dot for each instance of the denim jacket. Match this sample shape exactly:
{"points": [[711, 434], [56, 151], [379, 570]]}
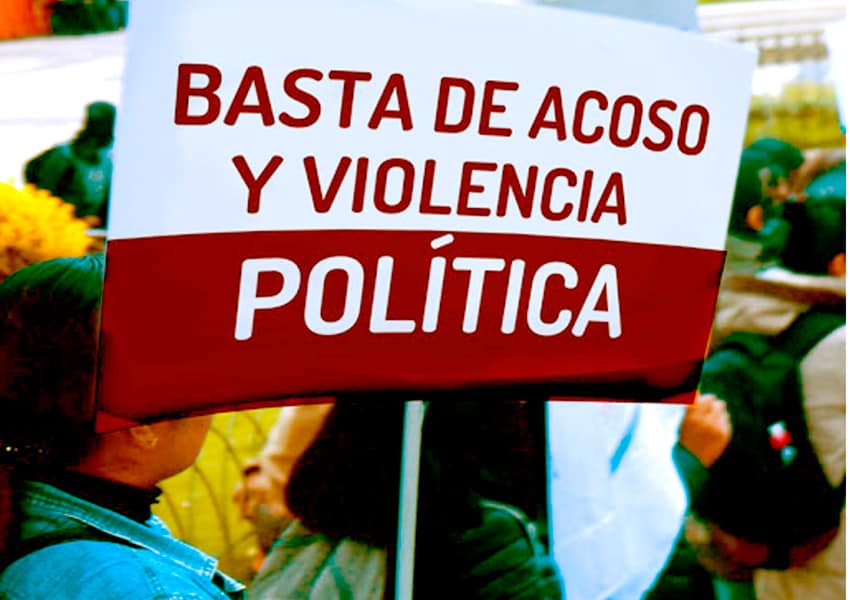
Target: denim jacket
{"points": [[148, 563]]}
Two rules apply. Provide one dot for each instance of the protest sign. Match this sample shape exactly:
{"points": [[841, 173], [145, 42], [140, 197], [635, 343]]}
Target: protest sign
{"points": [[322, 198]]}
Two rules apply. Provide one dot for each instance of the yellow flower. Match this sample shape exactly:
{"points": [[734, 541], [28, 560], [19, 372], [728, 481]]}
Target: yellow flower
{"points": [[35, 226]]}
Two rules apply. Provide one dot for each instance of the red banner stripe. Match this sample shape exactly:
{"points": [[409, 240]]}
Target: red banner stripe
{"points": [[170, 313]]}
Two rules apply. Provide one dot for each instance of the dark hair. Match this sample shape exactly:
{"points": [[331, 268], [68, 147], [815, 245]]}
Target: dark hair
{"points": [[48, 341], [99, 124], [347, 483], [817, 234]]}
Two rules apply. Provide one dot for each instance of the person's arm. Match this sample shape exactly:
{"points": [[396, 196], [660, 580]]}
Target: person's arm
{"points": [[815, 161], [704, 434], [693, 473], [265, 476]]}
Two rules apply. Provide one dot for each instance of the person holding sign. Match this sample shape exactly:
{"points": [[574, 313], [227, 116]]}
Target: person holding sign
{"points": [[75, 506]]}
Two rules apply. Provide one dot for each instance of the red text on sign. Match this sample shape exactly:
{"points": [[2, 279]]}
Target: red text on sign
{"points": [[624, 121], [252, 97], [555, 194], [459, 105]]}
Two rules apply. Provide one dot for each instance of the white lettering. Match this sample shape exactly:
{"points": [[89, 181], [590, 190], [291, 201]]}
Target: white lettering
{"points": [[379, 323], [478, 268], [316, 294], [249, 302], [535, 300], [606, 281], [512, 296]]}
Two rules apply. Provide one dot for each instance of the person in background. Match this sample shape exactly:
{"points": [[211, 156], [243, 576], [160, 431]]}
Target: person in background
{"points": [[704, 432], [812, 271], [772, 173], [80, 171], [483, 502], [756, 230], [75, 506], [343, 493], [259, 496]]}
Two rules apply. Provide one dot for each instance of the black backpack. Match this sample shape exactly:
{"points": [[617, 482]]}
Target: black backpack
{"points": [[768, 487]]}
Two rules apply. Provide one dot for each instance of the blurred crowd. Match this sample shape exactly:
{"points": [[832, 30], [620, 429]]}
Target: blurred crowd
{"points": [[740, 495]]}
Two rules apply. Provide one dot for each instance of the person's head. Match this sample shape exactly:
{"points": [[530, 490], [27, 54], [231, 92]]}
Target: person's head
{"points": [[817, 242], [144, 455], [345, 485], [48, 344], [48, 359], [347, 481], [783, 158], [762, 185], [99, 125], [777, 175]]}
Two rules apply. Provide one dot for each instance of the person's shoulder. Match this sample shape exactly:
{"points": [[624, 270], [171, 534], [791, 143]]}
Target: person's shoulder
{"points": [[77, 569], [49, 164], [502, 531], [503, 557], [304, 563], [499, 520], [94, 569], [54, 153]]}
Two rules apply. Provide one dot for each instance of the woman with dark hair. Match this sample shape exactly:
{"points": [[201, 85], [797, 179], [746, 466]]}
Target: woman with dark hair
{"points": [[344, 493], [75, 506]]}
